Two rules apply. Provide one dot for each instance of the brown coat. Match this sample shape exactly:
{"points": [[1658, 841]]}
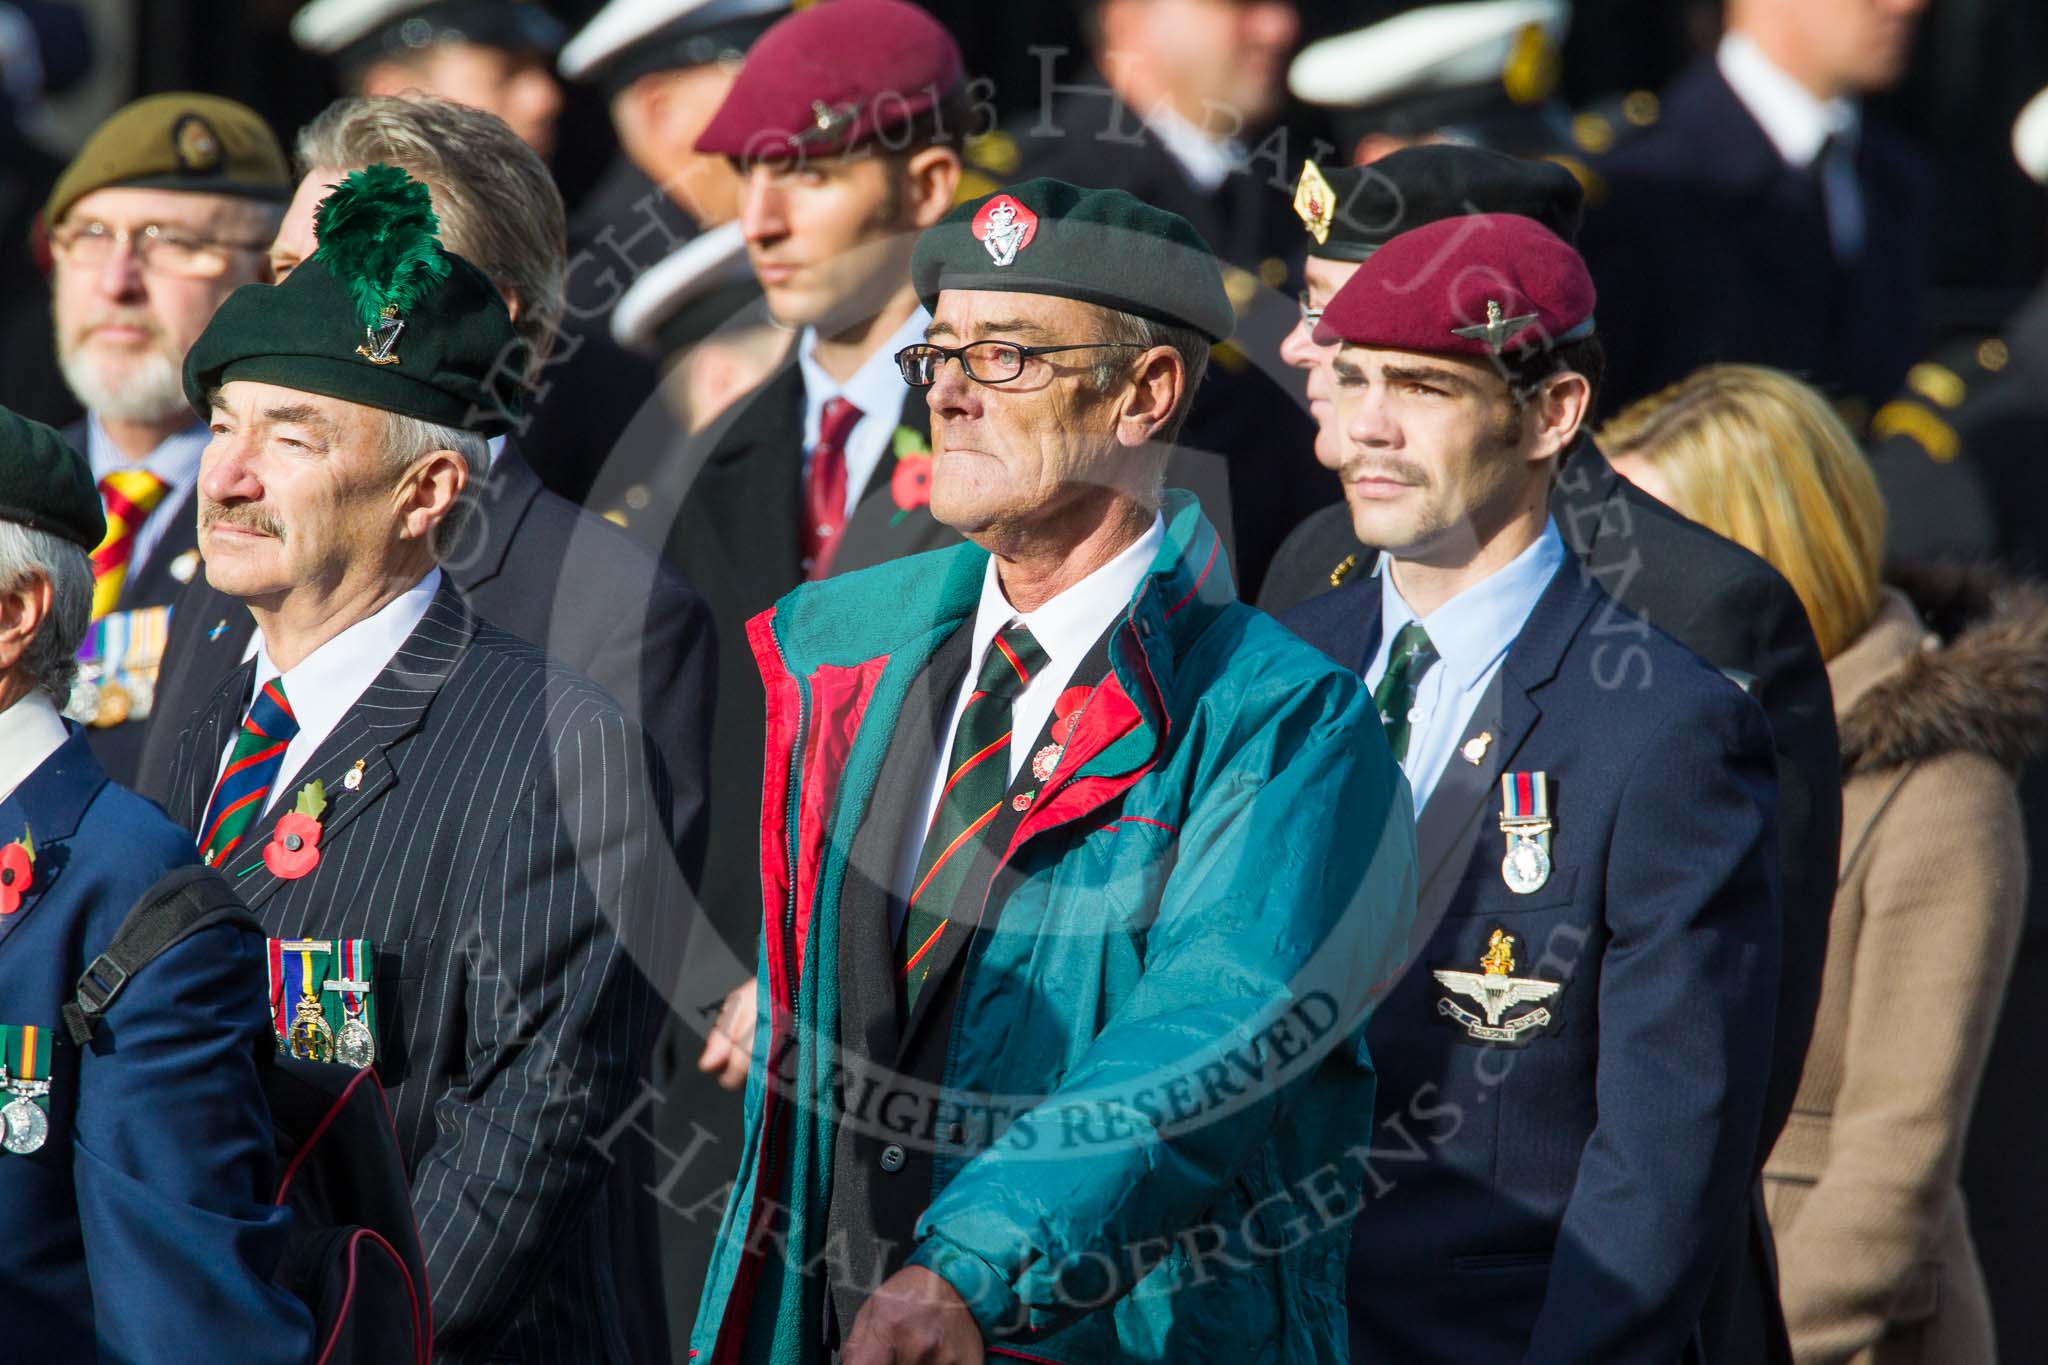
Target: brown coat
{"points": [[1875, 1257]]}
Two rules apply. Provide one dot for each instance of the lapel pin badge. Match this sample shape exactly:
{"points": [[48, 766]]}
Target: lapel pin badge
{"points": [[1475, 748], [220, 628], [354, 778]]}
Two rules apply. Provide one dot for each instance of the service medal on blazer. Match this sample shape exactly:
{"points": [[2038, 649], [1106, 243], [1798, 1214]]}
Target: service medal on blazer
{"points": [[1525, 820], [298, 969], [1495, 989], [24, 1119], [351, 1007]]}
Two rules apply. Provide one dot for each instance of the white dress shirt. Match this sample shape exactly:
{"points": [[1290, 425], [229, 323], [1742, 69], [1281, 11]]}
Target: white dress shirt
{"points": [[176, 462], [327, 682], [1066, 628], [1471, 634], [1206, 162], [30, 731], [876, 388], [1800, 124]]}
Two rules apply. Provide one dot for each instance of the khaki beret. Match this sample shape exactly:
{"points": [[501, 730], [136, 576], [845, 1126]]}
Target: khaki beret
{"points": [[179, 141]]}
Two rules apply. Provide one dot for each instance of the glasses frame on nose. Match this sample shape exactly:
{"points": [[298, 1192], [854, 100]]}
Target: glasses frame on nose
{"points": [[1310, 314], [149, 243], [910, 357]]}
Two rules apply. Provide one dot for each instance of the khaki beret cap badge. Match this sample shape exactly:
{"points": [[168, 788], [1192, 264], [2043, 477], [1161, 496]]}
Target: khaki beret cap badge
{"points": [[198, 147]]}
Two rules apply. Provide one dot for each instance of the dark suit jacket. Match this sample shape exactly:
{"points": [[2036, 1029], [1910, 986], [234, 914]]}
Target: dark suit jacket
{"points": [[1707, 246], [152, 583], [735, 538], [537, 566], [1568, 1196], [143, 1230], [504, 852]]}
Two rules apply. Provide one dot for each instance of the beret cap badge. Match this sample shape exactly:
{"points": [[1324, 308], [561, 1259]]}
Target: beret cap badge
{"points": [[1005, 227], [196, 144], [1315, 202], [380, 238], [1497, 328]]}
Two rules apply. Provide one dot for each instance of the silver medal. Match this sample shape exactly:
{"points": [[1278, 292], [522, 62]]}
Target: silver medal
{"points": [[28, 1127], [354, 1046], [1526, 866]]}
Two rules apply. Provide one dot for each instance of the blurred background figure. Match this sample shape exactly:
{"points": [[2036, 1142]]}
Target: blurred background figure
{"points": [[493, 55], [1481, 74], [1941, 693], [700, 315], [1762, 218], [662, 68]]}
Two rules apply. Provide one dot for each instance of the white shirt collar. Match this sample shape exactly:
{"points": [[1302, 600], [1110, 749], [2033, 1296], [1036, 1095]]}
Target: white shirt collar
{"points": [[1068, 626], [496, 447], [1796, 121], [1206, 162], [326, 683], [30, 731]]}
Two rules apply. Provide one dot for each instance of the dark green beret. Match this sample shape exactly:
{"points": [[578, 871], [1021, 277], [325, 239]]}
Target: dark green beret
{"points": [[181, 141], [1104, 247], [45, 485], [381, 314]]}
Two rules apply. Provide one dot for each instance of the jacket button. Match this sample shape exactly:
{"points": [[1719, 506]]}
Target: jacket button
{"points": [[956, 1134], [892, 1158]]}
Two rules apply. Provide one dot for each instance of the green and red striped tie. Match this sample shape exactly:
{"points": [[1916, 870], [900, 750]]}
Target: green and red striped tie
{"points": [[238, 797], [977, 775]]}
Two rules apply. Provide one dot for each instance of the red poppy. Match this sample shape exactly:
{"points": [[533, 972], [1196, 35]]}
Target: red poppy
{"points": [[911, 485], [294, 847], [1066, 710], [17, 869]]}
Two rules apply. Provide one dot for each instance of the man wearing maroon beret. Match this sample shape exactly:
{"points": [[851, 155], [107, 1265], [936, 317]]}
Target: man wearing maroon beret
{"points": [[845, 125], [1572, 1068]]}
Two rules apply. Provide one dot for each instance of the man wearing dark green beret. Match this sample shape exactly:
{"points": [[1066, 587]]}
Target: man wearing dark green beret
{"points": [[135, 1173], [164, 213], [1063, 999], [390, 772]]}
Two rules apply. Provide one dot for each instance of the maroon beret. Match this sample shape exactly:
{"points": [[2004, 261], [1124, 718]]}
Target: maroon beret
{"points": [[827, 78], [1480, 285]]}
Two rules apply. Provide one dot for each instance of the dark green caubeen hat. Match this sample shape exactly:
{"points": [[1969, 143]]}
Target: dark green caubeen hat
{"points": [[381, 314]]}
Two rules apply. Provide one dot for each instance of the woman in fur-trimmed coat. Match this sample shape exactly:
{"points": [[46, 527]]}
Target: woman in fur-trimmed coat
{"points": [[1941, 691]]}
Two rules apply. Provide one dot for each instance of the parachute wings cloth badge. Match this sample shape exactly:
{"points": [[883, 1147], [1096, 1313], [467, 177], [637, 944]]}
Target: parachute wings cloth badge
{"points": [[1496, 989]]}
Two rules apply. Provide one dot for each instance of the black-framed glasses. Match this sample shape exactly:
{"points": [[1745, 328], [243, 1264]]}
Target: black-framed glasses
{"points": [[986, 362]]}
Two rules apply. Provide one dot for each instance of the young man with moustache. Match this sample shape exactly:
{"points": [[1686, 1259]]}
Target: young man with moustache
{"points": [[390, 771], [845, 124], [1709, 594], [1574, 1063], [1033, 855], [165, 211]]}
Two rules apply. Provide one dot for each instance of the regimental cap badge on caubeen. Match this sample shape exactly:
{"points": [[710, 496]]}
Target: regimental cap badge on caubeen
{"points": [[1315, 202], [380, 237], [1005, 227]]}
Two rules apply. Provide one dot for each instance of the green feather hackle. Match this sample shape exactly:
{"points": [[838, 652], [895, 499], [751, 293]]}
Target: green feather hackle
{"points": [[378, 235]]}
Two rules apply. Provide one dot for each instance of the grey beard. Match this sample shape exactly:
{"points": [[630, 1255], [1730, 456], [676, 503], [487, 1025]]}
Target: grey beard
{"points": [[154, 390]]}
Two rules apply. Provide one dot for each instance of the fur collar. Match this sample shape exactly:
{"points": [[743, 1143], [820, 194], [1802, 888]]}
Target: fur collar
{"points": [[1975, 681]]}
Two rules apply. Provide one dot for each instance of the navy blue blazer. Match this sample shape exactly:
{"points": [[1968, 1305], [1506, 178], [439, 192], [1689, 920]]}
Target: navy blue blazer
{"points": [[143, 1230], [1568, 1195]]}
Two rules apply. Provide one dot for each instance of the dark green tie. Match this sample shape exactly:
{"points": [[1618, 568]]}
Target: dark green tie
{"points": [[977, 775], [1407, 661]]}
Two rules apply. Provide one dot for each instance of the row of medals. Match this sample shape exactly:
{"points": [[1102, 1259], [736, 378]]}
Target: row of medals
{"points": [[24, 1127], [311, 1039], [102, 702]]}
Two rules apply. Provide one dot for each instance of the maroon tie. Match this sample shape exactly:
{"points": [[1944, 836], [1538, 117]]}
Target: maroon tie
{"points": [[825, 487]]}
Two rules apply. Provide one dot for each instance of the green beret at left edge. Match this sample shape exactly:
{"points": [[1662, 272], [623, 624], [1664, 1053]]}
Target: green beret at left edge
{"points": [[380, 315], [1105, 247], [45, 485]]}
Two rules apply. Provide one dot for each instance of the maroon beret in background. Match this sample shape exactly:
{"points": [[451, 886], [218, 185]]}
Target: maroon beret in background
{"points": [[828, 78], [1481, 286]]}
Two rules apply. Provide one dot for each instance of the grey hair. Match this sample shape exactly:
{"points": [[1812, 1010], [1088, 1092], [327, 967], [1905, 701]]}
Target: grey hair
{"points": [[407, 439], [499, 208], [1112, 367], [52, 657]]}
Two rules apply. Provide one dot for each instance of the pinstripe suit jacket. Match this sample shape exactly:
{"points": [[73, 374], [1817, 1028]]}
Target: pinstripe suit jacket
{"points": [[505, 852]]}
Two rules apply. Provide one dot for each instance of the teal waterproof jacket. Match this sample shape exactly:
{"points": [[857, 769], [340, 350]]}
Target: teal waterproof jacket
{"points": [[1158, 1037]]}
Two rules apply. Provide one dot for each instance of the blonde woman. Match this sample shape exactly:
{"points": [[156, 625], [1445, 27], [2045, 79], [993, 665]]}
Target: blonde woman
{"points": [[1941, 690]]}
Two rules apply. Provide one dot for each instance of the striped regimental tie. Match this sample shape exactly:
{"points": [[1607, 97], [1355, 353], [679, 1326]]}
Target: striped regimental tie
{"points": [[129, 496], [238, 797], [977, 775]]}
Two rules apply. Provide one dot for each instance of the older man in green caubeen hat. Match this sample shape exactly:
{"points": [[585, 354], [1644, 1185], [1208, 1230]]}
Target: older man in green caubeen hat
{"points": [[1065, 956], [461, 838]]}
